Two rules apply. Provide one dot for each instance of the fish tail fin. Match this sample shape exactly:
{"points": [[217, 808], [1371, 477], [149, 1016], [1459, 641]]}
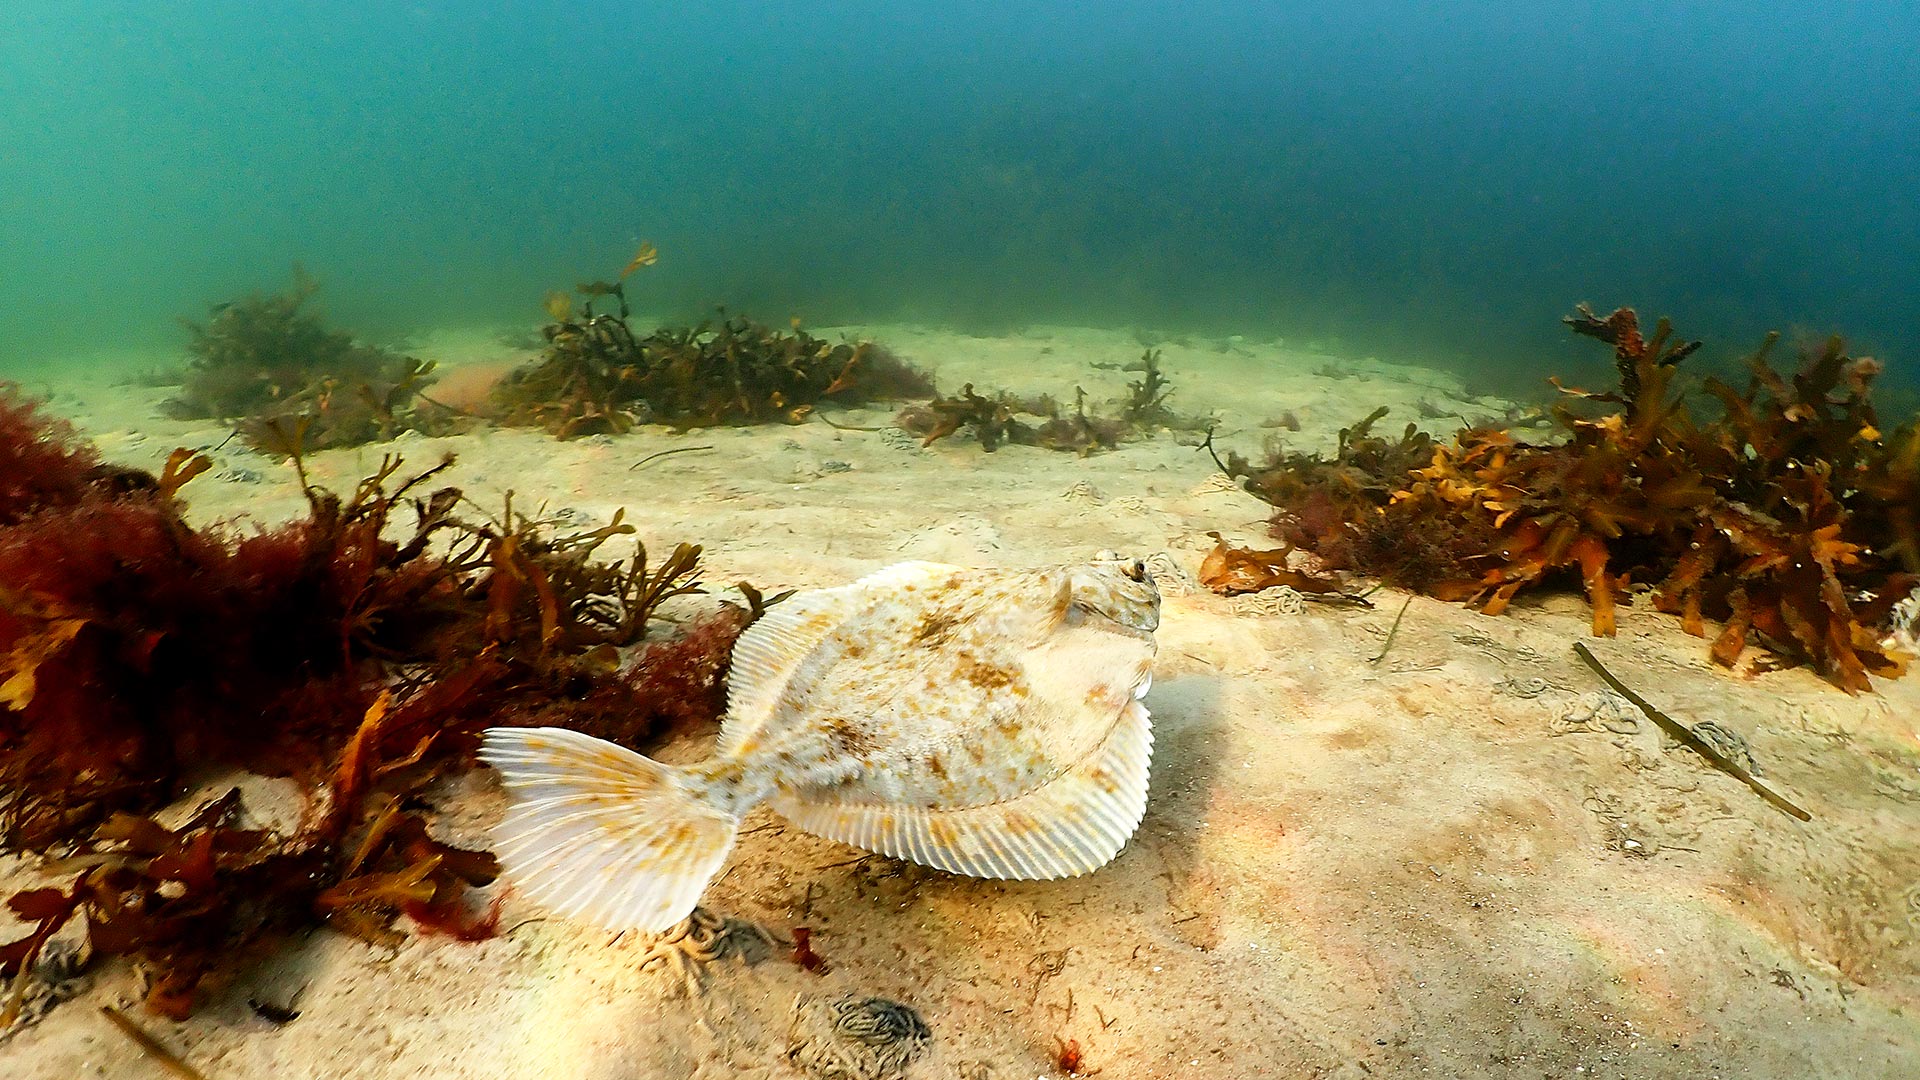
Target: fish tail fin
{"points": [[599, 833]]}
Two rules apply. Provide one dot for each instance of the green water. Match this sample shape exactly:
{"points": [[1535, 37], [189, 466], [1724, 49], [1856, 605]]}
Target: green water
{"points": [[1436, 185]]}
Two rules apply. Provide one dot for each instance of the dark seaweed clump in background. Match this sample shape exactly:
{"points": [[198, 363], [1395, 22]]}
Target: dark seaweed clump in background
{"points": [[290, 384], [271, 366], [1003, 418], [1791, 515], [598, 377], [143, 658]]}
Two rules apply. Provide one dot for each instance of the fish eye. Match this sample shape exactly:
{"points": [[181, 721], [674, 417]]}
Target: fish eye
{"points": [[1136, 571]]}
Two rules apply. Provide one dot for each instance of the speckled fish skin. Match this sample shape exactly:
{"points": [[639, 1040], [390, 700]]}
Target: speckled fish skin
{"points": [[941, 688], [981, 721]]}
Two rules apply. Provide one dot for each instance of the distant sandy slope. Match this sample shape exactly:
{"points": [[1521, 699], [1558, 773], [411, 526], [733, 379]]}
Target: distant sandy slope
{"points": [[1459, 860]]}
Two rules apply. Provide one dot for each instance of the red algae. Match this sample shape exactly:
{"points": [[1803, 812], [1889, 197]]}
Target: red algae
{"points": [[133, 644]]}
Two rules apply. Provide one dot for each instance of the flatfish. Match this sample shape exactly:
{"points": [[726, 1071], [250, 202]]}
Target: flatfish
{"points": [[986, 722]]}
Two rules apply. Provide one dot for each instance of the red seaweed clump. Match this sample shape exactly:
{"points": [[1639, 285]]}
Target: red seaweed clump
{"points": [[42, 463], [142, 657], [1788, 516]]}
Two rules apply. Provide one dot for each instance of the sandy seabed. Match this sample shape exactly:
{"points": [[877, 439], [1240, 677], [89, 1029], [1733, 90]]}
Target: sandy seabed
{"points": [[1463, 858]]}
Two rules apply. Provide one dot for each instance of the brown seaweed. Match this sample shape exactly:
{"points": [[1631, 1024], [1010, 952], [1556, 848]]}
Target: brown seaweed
{"points": [[266, 362], [1146, 403], [991, 419], [1231, 571], [997, 420], [1789, 516], [598, 377]]}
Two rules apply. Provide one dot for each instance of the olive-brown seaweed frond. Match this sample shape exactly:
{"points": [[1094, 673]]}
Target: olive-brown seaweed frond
{"points": [[598, 377], [270, 365], [1789, 516]]}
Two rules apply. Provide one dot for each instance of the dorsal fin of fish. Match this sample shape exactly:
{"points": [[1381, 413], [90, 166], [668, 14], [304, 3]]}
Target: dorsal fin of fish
{"points": [[772, 650], [1073, 824], [599, 833]]}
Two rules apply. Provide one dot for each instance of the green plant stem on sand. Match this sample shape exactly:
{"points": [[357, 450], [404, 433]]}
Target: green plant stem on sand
{"points": [[1687, 738], [1391, 633], [151, 1046], [664, 453]]}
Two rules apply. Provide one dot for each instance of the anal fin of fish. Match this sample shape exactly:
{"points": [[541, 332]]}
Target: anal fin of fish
{"points": [[1071, 825], [599, 833]]}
